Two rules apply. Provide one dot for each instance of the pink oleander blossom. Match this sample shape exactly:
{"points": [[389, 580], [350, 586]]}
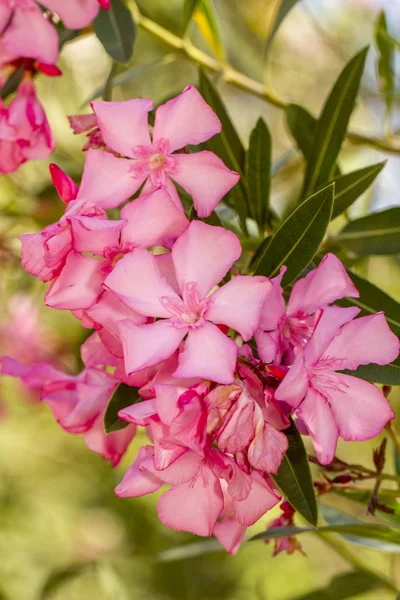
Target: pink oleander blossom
{"points": [[290, 543], [201, 257], [282, 330], [332, 404], [124, 129]]}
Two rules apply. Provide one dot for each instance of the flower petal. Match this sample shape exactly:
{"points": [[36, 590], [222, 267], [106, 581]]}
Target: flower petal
{"points": [[274, 306], [124, 124], [94, 235], [137, 281], [267, 450], [321, 425], [361, 411], [111, 446], [109, 309], [268, 346], [209, 354], [321, 286], [138, 481], [205, 177], [363, 341], [294, 385], [230, 533], [261, 499], [186, 119], [30, 35], [204, 254], [152, 220], [75, 14], [148, 345], [107, 180], [238, 303]]}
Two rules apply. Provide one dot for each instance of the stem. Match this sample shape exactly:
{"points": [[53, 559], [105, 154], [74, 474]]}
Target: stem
{"points": [[394, 435], [108, 88], [236, 78], [351, 558]]}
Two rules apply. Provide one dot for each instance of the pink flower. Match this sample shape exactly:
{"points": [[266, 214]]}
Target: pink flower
{"points": [[333, 404], [201, 257], [184, 120], [290, 543], [283, 330]]}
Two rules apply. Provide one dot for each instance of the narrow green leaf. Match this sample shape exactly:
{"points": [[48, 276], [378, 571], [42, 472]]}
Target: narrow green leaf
{"points": [[227, 145], [385, 374], [116, 30], [377, 233], [397, 461], [258, 172], [189, 6], [302, 126], [386, 57], [342, 587], [349, 187], [284, 7], [294, 477], [206, 22], [332, 124], [372, 300], [124, 396], [299, 237], [389, 537]]}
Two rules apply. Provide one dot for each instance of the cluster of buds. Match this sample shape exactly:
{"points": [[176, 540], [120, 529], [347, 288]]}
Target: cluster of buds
{"points": [[29, 43], [213, 363]]}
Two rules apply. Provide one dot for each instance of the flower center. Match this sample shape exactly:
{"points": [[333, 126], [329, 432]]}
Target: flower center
{"points": [[156, 161], [298, 330], [188, 310], [324, 377]]}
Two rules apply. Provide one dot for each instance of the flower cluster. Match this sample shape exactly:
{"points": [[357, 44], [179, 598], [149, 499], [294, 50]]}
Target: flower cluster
{"points": [[174, 321], [29, 41]]}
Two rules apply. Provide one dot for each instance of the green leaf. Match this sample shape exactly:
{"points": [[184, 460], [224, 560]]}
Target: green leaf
{"points": [[212, 219], [189, 6], [124, 396], [206, 22], [377, 233], [386, 57], [349, 187], [116, 30], [258, 172], [299, 237], [397, 461], [385, 374], [294, 477], [332, 124], [284, 7], [342, 587], [302, 126], [372, 300], [227, 145]]}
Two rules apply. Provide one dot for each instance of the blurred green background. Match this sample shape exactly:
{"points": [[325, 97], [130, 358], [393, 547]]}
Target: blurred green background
{"points": [[63, 533]]}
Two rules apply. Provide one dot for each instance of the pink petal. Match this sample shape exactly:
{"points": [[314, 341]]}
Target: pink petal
{"points": [[205, 177], [186, 119], [230, 533], [137, 281], [65, 186], [33, 376], [238, 428], [258, 502], [139, 413], [183, 469], [148, 345], [200, 502], [268, 448], [82, 123], [329, 322], [274, 306], [294, 386], [124, 124], [238, 303], [5, 14], [32, 36], [209, 354], [109, 310], [111, 446], [107, 180], [94, 235], [204, 254], [94, 353], [34, 255], [152, 220], [267, 346], [167, 270], [322, 286], [138, 481], [321, 424], [78, 285], [363, 341], [167, 397], [75, 14], [361, 411]]}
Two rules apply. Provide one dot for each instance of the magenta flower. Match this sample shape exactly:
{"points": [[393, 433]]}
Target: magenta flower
{"points": [[330, 403], [201, 257], [282, 330], [182, 121]]}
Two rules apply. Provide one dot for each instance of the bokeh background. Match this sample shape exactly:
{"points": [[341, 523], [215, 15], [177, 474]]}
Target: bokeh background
{"points": [[63, 533]]}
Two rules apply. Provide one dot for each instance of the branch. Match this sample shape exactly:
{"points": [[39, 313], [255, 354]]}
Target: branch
{"points": [[234, 77]]}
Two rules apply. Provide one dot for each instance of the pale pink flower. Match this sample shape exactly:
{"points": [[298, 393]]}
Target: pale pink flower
{"points": [[332, 404], [282, 330], [182, 121], [201, 257]]}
